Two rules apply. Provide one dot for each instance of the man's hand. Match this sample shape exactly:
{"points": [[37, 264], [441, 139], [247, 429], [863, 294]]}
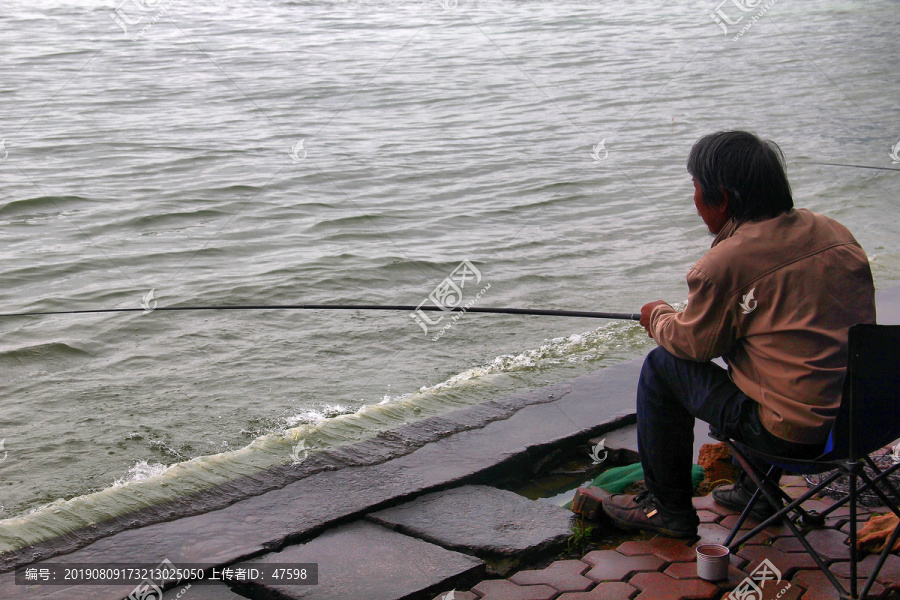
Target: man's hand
{"points": [[645, 314]]}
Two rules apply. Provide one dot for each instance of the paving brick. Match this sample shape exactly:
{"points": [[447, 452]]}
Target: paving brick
{"points": [[610, 590], [763, 537], [610, 565], [783, 590], [456, 596], [817, 586], [829, 543], [711, 533], [668, 549], [563, 576], [844, 511], [657, 586], [686, 570], [786, 562], [708, 503], [780, 530], [794, 491], [845, 526], [817, 505], [501, 589], [708, 516], [889, 574], [792, 480]]}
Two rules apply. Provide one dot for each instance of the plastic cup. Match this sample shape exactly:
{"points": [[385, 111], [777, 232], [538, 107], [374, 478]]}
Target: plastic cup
{"points": [[712, 562]]}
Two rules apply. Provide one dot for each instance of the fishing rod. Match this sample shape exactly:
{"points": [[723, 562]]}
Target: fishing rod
{"points": [[831, 164], [394, 307]]}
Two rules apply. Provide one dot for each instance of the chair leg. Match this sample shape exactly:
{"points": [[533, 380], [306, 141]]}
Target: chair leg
{"points": [[853, 550], [880, 477], [878, 492], [871, 483], [794, 505], [883, 475], [761, 483]]}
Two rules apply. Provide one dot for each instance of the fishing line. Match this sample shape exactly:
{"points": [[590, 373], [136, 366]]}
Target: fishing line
{"points": [[830, 164], [394, 307]]}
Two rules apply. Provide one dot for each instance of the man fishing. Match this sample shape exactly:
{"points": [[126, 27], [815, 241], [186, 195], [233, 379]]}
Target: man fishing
{"points": [[774, 297]]}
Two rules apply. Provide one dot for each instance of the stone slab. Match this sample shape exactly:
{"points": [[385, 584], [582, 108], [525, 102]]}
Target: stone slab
{"points": [[216, 591], [481, 520], [364, 561]]}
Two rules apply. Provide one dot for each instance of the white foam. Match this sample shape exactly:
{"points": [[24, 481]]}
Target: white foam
{"points": [[313, 416], [141, 471], [576, 348]]}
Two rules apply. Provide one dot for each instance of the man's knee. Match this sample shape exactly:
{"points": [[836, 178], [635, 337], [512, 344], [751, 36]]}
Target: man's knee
{"points": [[656, 361], [653, 376]]}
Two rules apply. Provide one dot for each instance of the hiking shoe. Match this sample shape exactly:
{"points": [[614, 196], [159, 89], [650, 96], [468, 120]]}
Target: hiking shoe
{"points": [[736, 497], [645, 512]]}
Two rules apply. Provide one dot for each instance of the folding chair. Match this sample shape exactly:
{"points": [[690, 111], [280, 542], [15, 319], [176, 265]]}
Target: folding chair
{"points": [[868, 420]]}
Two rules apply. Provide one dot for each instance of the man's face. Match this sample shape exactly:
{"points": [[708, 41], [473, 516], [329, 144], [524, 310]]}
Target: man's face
{"points": [[714, 217]]}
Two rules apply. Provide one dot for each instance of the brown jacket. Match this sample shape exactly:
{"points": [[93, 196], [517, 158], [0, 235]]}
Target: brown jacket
{"points": [[775, 299]]}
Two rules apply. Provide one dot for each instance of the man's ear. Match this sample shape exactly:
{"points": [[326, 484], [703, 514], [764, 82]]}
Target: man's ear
{"points": [[725, 207]]}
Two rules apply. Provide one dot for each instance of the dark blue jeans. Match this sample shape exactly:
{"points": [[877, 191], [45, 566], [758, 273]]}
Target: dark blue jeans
{"points": [[671, 393]]}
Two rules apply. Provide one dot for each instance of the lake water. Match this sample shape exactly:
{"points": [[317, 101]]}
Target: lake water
{"points": [[264, 152]]}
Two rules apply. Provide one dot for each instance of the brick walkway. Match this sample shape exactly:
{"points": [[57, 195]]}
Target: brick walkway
{"points": [[665, 569]]}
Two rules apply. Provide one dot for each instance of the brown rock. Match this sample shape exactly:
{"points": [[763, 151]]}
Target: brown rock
{"points": [[717, 467]]}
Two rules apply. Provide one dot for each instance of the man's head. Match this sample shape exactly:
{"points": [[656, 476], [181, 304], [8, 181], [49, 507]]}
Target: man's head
{"points": [[738, 175]]}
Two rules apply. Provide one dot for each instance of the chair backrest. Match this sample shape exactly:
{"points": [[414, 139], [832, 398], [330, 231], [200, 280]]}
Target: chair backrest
{"points": [[869, 416]]}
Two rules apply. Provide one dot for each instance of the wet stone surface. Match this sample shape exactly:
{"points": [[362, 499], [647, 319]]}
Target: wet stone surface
{"points": [[481, 520], [364, 561]]}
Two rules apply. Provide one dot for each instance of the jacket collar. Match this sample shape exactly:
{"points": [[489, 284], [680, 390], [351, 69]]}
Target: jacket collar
{"points": [[726, 232]]}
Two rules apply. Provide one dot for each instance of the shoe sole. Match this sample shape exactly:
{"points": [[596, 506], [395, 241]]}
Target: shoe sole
{"points": [[682, 535]]}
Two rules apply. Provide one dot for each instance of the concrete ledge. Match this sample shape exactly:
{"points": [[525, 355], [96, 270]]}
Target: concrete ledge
{"points": [[474, 445]]}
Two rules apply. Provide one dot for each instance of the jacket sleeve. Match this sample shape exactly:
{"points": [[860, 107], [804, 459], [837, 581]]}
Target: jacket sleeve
{"points": [[704, 330]]}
